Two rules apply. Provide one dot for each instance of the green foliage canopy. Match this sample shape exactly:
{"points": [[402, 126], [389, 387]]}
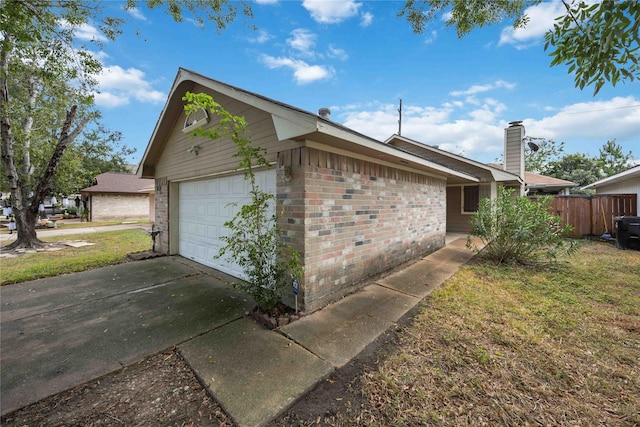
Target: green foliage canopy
{"points": [[47, 80], [582, 169], [599, 42]]}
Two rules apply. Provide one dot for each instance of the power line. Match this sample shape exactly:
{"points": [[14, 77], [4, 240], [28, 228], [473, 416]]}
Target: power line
{"points": [[602, 109]]}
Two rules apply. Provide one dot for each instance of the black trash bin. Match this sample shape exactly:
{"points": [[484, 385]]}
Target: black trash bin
{"points": [[628, 232]]}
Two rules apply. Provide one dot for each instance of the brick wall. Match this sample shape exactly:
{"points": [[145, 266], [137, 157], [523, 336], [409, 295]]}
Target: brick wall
{"points": [[109, 206], [351, 219], [161, 210]]}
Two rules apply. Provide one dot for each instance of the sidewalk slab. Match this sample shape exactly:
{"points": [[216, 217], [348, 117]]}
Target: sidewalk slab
{"points": [[340, 331], [50, 352], [418, 279], [46, 232], [253, 372]]}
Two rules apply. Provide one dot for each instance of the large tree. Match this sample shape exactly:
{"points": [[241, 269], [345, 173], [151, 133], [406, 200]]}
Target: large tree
{"points": [[612, 159], [598, 41], [576, 167], [539, 152], [47, 78], [547, 157]]}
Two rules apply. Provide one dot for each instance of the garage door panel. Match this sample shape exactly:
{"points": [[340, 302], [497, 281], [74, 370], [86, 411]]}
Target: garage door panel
{"points": [[204, 207], [212, 187], [224, 186], [212, 209], [212, 232]]}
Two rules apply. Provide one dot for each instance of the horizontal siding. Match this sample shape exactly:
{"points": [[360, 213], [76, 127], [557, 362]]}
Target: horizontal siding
{"points": [[176, 163], [456, 221], [630, 186]]}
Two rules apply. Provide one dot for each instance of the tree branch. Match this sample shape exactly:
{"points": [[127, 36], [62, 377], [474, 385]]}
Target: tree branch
{"points": [[64, 140], [570, 13]]}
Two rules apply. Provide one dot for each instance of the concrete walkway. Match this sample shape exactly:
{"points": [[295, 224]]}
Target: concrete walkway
{"points": [[60, 332], [44, 232]]}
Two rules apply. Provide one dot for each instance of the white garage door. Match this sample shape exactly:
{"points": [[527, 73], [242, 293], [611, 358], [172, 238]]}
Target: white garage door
{"points": [[205, 207]]}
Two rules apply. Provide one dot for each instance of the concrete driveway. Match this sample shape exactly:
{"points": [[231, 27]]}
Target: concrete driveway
{"points": [[63, 331]]}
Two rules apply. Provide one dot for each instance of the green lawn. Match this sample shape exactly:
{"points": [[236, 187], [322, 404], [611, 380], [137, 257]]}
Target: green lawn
{"points": [[554, 345], [111, 247]]}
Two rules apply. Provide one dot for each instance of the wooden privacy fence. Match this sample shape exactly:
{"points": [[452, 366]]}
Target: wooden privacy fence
{"points": [[588, 214]]}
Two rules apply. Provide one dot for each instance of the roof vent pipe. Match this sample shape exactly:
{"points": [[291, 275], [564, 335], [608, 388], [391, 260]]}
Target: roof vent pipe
{"points": [[325, 113]]}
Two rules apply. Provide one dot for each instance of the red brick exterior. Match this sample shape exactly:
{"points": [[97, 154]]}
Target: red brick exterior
{"points": [[351, 219]]}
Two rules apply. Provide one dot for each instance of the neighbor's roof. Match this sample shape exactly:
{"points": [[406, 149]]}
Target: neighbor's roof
{"points": [[634, 172], [534, 180], [112, 182]]}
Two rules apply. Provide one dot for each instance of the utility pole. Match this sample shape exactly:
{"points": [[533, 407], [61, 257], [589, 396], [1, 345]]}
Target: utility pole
{"points": [[400, 118]]}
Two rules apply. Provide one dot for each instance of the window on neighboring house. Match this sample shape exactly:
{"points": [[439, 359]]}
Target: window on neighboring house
{"points": [[470, 199]]}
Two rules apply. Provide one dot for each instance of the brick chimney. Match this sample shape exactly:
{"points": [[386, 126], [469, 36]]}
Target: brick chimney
{"points": [[514, 149]]}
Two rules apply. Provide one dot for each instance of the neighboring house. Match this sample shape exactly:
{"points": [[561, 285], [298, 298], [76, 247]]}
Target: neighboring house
{"points": [[351, 205], [119, 196], [547, 185], [627, 182]]}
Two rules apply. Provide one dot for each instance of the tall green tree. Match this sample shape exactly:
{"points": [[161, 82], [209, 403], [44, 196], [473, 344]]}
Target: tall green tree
{"points": [[96, 151], [598, 41], [577, 167], [47, 77], [545, 151], [612, 159]]}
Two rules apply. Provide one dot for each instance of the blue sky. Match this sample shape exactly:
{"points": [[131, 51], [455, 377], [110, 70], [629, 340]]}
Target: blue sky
{"points": [[359, 59]]}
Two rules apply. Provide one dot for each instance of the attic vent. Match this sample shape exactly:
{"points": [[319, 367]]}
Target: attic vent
{"points": [[325, 113], [195, 119]]}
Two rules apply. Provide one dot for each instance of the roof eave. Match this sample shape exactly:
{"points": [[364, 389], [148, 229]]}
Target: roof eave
{"points": [[343, 133]]}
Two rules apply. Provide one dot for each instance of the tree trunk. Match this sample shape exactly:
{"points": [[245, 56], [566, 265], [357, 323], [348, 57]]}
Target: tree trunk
{"points": [[24, 202], [27, 208], [23, 218]]}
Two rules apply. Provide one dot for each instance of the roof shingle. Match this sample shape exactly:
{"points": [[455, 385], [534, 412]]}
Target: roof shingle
{"points": [[112, 182]]}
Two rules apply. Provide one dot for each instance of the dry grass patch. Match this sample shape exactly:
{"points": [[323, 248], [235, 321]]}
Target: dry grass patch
{"points": [[558, 345]]}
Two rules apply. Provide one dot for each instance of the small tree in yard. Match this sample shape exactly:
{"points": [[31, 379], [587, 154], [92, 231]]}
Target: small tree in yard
{"points": [[518, 230], [254, 241]]}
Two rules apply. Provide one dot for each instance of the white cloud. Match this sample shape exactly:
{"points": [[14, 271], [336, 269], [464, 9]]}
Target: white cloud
{"points": [[302, 40], [84, 31], [366, 19], [118, 86], [135, 12], [331, 12], [266, 2], [431, 38], [334, 52], [478, 132], [617, 118], [261, 37], [430, 125], [303, 73], [541, 18], [475, 89], [109, 100]]}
